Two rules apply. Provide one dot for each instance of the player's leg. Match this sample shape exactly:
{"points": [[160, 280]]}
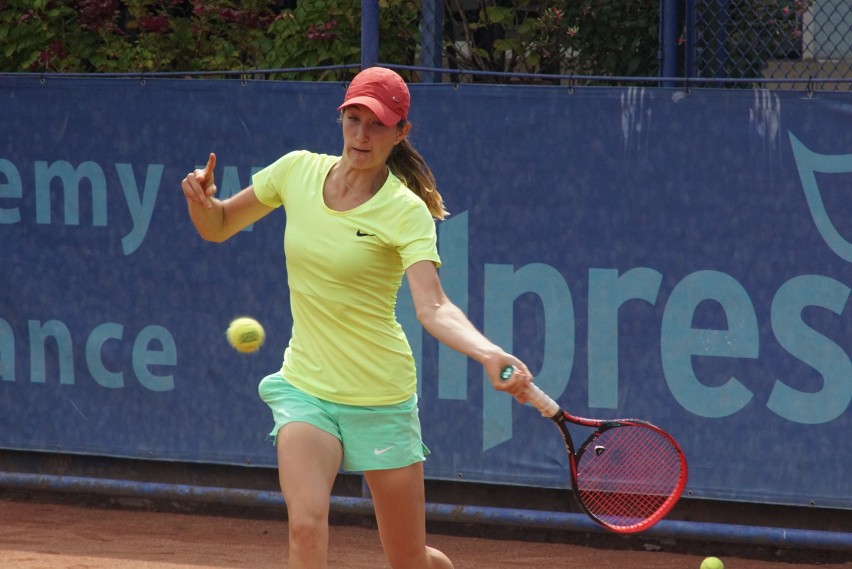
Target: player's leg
{"points": [[308, 462], [400, 502]]}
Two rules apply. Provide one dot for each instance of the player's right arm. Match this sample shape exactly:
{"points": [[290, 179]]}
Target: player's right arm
{"points": [[214, 219]]}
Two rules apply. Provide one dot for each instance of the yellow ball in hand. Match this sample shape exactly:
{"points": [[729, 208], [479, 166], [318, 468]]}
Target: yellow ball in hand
{"points": [[245, 334], [712, 563]]}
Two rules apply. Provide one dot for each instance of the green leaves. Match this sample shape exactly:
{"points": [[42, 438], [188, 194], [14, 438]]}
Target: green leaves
{"points": [[196, 35], [327, 33], [579, 37], [500, 15]]}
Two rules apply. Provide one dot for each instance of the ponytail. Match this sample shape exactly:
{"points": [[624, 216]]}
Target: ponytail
{"points": [[409, 166]]}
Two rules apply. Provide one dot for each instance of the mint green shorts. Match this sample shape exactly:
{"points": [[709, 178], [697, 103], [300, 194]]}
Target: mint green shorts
{"points": [[373, 438]]}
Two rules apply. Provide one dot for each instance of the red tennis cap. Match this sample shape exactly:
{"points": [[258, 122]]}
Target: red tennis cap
{"points": [[382, 91]]}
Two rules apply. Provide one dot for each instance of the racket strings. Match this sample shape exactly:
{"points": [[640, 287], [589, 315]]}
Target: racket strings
{"points": [[629, 475]]}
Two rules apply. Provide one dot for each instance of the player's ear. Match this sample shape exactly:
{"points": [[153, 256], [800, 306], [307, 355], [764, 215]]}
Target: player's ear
{"points": [[403, 132]]}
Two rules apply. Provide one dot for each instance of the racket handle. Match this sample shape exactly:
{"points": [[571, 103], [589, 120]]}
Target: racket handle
{"points": [[537, 398]]}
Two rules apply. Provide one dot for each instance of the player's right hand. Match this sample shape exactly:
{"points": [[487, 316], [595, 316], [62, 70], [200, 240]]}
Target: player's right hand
{"points": [[199, 186]]}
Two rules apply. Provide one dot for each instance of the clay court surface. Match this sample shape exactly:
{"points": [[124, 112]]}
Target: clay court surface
{"points": [[36, 535]]}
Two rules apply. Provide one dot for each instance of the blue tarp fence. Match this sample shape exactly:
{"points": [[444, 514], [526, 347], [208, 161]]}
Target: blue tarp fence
{"points": [[680, 256]]}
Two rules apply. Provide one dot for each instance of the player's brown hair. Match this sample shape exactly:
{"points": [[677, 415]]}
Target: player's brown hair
{"points": [[409, 166]]}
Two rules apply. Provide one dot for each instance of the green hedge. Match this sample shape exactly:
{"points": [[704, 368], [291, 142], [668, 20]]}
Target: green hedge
{"points": [[196, 35]]}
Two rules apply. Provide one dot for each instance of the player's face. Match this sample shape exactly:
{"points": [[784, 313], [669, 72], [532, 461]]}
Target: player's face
{"points": [[367, 142]]}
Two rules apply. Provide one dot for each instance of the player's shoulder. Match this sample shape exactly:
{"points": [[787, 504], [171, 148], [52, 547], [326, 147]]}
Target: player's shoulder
{"points": [[299, 166], [303, 156], [402, 194]]}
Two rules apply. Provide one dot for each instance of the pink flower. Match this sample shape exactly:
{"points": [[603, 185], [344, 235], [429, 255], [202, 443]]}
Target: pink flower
{"points": [[228, 15], [154, 24], [54, 51], [98, 14]]}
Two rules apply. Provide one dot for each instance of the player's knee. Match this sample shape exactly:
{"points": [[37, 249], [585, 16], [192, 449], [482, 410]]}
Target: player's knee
{"points": [[308, 534]]}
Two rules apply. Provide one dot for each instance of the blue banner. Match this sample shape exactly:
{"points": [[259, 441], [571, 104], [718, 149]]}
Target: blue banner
{"points": [[683, 257]]}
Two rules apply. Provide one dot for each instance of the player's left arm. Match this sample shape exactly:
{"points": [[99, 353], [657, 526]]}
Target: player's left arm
{"points": [[446, 322]]}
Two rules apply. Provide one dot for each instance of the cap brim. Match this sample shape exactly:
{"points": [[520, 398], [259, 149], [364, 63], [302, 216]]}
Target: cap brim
{"points": [[383, 113]]}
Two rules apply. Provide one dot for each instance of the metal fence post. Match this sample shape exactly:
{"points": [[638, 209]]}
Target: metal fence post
{"points": [[431, 32], [690, 23], [668, 30], [369, 33]]}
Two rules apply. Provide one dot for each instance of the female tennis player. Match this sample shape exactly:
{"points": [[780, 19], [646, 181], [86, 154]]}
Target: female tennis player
{"points": [[345, 395]]}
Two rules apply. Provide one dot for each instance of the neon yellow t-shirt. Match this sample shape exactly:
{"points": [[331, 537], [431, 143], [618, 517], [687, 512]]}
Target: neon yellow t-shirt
{"points": [[344, 270]]}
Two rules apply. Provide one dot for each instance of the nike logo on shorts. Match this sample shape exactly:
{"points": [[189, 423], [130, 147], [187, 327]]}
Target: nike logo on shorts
{"points": [[377, 451]]}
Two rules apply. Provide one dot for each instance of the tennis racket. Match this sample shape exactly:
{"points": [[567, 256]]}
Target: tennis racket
{"points": [[627, 475]]}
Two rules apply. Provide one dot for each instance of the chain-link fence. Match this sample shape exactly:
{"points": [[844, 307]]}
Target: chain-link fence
{"points": [[801, 44], [793, 42]]}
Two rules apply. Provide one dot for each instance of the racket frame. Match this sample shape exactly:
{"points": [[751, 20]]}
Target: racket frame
{"points": [[551, 410]]}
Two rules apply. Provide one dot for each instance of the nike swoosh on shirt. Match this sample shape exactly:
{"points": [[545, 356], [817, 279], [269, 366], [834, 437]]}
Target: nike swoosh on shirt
{"points": [[360, 233], [377, 451]]}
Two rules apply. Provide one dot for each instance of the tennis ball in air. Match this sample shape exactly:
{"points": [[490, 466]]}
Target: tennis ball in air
{"points": [[712, 563], [245, 334]]}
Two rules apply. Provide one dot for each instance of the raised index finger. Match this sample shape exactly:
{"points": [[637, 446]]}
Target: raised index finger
{"points": [[211, 164]]}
